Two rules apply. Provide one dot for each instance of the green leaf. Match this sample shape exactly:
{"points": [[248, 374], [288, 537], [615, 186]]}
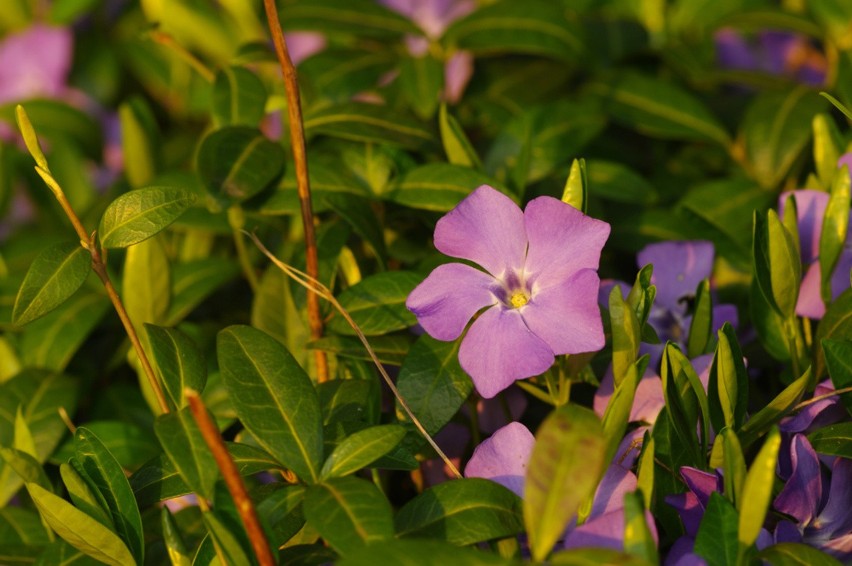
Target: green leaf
{"points": [[701, 327], [576, 191], [25, 466], [359, 17], [131, 444], [625, 335], [146, 284], [348, 513], [835, 225], [638, 539], [358, 213], [51, 341], [775, 410], [194, 281], [140, 214], [390, 350], [828, 144], [716, 541], [377, 304], [178, 555], [361, 449], [227, 539], [180, 362], [834, 440], [682, 406], [350, 400], [615, 181], [617, 413], [728, 384], [757, 490], [661, 109], [456, 144], [363, 122], [326, 181], [104, 473], [462, 512], [835, 324], [421, 553], [273, 397], [595, 556], [182, 441], [438, 186], [421, 79], [735, 467], [238, 97], [776, 128], [139, 141], [282, 511], [55, 119], [55, 274], [838, 358], [433, 383], [80, 530], [565, 466], [795, 554], [537, 27], [237, 162], [84, 497], [777, 266]]}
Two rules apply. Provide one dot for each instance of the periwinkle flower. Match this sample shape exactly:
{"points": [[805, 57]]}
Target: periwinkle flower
{"points": [[536, 289], [779, 53], [35, 63], [810, 209]]}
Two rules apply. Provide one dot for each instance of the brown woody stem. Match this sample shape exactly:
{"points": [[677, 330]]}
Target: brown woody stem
{"points": [[232, 477], [297, 142]]}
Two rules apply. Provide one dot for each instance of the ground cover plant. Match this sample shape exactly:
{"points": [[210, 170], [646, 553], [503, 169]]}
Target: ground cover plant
{"points": [[425, 282]]}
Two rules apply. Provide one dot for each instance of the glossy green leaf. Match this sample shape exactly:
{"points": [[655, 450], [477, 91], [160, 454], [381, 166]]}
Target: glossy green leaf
{"points": [[701, 327], [828, 145], [413, 552], [51, 341], [576, 191], [55, 274], [282, 511], [777, 266], [237, 162], [359, 17], [361, 449], [834, 440], [437, 186], [95, 464], [681, 406], [564, 468], [776, 128], [182, 441], [238, 97], [350, 400], [80, 530], [835, 225], [645, 472], [642, 295], [178, 554], [131, 444], [595, 556], [139, 141], [433, 383], [52, 118], [728, 385], [421, 79], [25, 466], [638, 539], [537, 27], [625, 335], [390, 350], [661, 109], [348, 513], [227, 539], [142, 213], [456, 144], [146, 289], [735, 467], [180, 362], [617, 412], [835, 324], [326, 181], [757, 489], [363, 122], [838, 359], [462, 512], [377, 304], [358, 213], [716, 541], [795, 554], [84, 497], [759, 423], [273, 397]]}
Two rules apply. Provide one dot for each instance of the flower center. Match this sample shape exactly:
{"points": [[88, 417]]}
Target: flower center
{"points": [[519, 298]]}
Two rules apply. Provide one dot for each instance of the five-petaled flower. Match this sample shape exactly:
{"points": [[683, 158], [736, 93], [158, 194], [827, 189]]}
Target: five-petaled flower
{"points": [[537, 290]]}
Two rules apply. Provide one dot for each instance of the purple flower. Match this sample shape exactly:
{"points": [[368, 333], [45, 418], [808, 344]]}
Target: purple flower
{"points": [[810, 207], [35, 63], [774, 52], [823, 517], [536, 291], [504, 458], [303, 44]]}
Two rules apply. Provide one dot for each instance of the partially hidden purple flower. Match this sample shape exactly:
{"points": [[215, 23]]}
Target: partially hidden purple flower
{"points": [[504, 458], [35, 63], [535, 296], [779, 53], [303, 44], [810, 206], [821, 507]]}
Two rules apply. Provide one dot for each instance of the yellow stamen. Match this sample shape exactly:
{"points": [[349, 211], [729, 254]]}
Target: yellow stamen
{"points": [[519, 299]]}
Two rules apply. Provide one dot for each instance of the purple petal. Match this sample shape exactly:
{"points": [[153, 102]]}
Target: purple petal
{"points": [[840, 548], [609, 495], [647, 403], [702, 484], [562, 241], [836, 517], [814, 416], [689, 508], [486, 228], [629, 448], [681, 554], [566, 315], [733, 51], [457, 73], [499, 349], [503, 457], [809, 304], [606, 531], [777, 46], [35, 62], [725, 313], [803, 491], [840, 277], [496, 413], [810, 209], [303, 44], [449, 297], [787, 531], [606, 288], [845, 159], [678, 269]]}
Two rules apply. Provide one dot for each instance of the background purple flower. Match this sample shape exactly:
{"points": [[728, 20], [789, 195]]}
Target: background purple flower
{"points": [[774, 52], [537, 294], [35, 63]]}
